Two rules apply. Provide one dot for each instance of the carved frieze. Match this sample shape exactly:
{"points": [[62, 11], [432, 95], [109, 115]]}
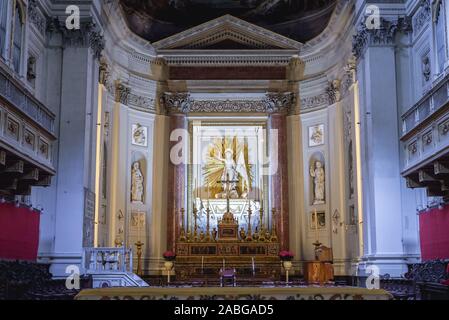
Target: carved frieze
{"points": [[184, 103], [422, 17]]}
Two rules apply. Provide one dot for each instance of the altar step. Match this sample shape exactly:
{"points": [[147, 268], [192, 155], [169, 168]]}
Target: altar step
{"points": [[117, 279]]}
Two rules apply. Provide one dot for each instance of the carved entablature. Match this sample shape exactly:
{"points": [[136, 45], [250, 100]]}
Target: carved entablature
{"points": [[383, 36], [272, 103]]}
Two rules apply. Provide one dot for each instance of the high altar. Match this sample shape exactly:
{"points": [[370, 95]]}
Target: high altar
{"points": [[227, 226]]}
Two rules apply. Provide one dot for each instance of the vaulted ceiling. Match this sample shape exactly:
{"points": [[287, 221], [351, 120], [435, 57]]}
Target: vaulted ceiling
{"points": [[300, 20]]}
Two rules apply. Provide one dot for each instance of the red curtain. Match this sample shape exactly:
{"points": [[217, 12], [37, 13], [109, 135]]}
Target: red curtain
{"points": [[434, 234], [19, 233]]}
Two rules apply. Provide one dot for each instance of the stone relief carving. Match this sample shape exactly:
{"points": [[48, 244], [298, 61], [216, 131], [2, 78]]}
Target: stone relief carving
{"points": [[177, 102], [316, 135], [36, 17], [318, 174], [139, 135], [122, 93], [320, 100], [333, 91], [426, 68], [279, 102], [272, 103], [137, 183], [351, 170], [422, 17]]}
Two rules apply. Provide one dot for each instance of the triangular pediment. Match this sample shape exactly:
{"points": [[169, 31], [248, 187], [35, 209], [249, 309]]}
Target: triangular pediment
{"points": [[227, 32]]}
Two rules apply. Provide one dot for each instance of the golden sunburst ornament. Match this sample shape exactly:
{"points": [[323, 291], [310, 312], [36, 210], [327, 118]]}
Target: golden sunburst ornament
{"points": [[227, 158]]}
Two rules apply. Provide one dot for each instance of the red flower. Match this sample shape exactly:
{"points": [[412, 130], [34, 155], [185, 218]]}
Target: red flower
{"points": [[169, 255], [286, 255]]}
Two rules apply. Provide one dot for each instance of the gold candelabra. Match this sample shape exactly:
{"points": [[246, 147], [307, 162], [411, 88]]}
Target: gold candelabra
{"points": [[274, 236], [249, 236], [182, 236], [208, 238], [195, 229]]}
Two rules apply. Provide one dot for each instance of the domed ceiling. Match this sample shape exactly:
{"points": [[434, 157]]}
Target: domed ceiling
{"points": [[300, 20]]}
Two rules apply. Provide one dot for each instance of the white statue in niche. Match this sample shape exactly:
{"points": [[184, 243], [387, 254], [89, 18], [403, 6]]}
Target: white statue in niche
{"points": [[137, 181], [317, 172]]}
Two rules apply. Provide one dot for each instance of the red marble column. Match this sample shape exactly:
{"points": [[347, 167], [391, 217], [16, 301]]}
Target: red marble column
{"points": [[176, 184], [279, 178]]}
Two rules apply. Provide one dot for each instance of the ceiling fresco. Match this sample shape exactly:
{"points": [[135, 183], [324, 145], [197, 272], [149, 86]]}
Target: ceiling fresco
{"points": [[300, 20]]}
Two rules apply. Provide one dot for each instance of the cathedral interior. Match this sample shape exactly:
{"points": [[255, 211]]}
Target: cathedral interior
{"points": [[271, 149]]}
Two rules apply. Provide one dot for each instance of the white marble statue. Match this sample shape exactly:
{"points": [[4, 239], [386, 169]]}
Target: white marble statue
{"points": [[137, 181], [229, 174], [317, 172]]}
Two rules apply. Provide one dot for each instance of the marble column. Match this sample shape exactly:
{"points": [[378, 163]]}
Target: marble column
{"points": [[279, 178], [176, 180]]}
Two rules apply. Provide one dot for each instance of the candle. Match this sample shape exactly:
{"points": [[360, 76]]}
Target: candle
{"points": [[254, 270]]}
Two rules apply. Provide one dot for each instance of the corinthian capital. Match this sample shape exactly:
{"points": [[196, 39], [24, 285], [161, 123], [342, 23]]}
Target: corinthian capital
{"points": [[177, 102], [382, 36], [279, 102]]}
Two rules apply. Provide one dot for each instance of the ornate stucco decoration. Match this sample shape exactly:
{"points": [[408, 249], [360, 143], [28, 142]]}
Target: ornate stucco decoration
{"points": [[334, 91], [320, 100], [89, 35], [272, 103], [422, 17], [383, 36], [36, 17], [122, 93], [179, 102], [279, 102]]}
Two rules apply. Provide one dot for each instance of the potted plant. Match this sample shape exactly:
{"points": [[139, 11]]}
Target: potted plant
{"points": [[286, 255], [169, 257], [286, 258]]}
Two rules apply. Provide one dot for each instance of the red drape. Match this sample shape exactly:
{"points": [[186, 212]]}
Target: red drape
{"points": [[434, 234], [19, 233]]}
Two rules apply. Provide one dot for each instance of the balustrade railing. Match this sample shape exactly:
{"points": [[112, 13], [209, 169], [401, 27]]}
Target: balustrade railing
{"points": [[107, 260], [431, 102]]}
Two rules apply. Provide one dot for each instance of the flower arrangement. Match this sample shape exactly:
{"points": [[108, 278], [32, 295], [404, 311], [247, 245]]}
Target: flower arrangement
{"points": [[286, 255], [169, 255]]}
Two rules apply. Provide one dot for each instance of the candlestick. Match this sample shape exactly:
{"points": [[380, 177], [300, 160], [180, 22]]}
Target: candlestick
{"points": [[249, 236], [202, 264], [254, 269], [139, 246]]}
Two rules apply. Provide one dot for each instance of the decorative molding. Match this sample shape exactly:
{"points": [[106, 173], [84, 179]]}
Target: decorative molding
{"points": [[272, 103], [205, 32], [422, 17], [177, 102], [383, 36], [36, 17], [122, 93], [334, 91], [320, 100]]}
